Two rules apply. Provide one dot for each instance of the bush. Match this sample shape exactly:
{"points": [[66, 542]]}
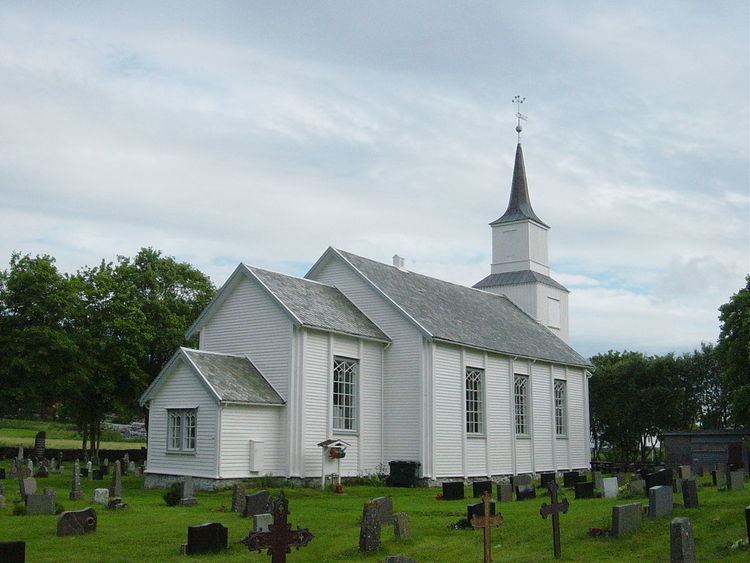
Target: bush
{"points": [[173, 494], [59, 508], [19, 510]]}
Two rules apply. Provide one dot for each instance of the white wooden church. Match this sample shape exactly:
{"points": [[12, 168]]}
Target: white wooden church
{"points": [[469, 382]]}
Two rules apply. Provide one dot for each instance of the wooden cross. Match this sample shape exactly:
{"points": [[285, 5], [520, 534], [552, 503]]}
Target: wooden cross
{"points": [[554, 509], [487, 522], [280, 539]]}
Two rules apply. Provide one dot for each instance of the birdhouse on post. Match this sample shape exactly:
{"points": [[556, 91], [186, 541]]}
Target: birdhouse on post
{"points": [[333, 452]]}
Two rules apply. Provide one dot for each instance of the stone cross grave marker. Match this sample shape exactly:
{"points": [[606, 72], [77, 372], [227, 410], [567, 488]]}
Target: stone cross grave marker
{"points": [[487, 521], [554, 510], [281, 538], [75, 483]]}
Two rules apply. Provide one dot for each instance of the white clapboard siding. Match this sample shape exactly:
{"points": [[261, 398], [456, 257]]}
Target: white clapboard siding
{"points": [[402, 370], [579, 453], [523, 456], [562, 445], [370, 445], [249, 321], [542, 397], [182, 388], [315, 377], [239, 425], [449, 424], [499, 429], [476, 457], [345, 346]]}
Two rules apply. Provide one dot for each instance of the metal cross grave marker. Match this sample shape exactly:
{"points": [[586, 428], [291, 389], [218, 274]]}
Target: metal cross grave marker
{"points": [[554, 509], [280, 539], [487, 522]]}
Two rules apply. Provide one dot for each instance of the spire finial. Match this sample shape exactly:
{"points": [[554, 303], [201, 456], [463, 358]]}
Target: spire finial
{"points": [[518, 100]]}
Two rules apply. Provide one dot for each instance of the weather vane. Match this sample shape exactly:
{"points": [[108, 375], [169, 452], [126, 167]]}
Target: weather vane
{"points": [[518, 100]]}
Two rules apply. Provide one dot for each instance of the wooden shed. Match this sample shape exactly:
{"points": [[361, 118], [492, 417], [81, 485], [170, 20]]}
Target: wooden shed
{"points": [[706, 448]]}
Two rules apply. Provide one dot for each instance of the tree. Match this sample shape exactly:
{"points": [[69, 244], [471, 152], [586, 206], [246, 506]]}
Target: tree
{"points": [[170, 295], [36, 345], [734, 353]]}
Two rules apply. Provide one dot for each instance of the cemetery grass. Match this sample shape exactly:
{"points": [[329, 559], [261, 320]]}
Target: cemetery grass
{"points": [[14, 433], [151, 531]]}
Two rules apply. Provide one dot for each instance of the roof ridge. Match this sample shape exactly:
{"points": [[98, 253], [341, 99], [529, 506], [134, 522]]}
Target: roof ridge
{"points": [[186, 349], [250, 267]]}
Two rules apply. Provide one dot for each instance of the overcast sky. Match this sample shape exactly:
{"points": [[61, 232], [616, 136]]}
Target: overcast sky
{"points": [[263, 133]]}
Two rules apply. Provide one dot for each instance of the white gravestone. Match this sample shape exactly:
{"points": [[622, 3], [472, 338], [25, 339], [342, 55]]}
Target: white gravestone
{"points": [[610, 487]]}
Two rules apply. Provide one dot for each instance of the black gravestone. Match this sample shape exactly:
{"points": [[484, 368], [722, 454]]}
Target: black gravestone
{"points": [[584, 490], [256, 503], [570, 478], [104, 469], [2, 473], [477, 509], [480, 487], [84, 472], [206, 538], [690, 493], [97, 475], [546, 479], [747, 521], [453, 490], [525, 492], [13, 551], [662, 478]]}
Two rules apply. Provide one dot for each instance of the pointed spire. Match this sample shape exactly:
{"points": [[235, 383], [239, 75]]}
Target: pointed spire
{"points": [[519, 205]]}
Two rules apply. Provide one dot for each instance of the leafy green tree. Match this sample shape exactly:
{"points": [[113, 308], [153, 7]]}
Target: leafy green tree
{"points": [[36, 345], [734, 353]]}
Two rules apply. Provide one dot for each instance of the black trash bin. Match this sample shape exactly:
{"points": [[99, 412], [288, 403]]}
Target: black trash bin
{"points": [[403, 473]]}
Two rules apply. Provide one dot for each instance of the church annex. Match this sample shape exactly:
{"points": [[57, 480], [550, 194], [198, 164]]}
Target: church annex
{"points": [[469, 382]]}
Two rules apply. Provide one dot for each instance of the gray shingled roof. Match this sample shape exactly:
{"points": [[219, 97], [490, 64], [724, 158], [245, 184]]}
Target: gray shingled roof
{"points": [[466, 316], [319, 305], [517, 278], [234, 378], [519, 204]]}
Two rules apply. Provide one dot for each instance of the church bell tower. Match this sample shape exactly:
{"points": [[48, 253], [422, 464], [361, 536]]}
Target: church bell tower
{"points": [[520, 257]]}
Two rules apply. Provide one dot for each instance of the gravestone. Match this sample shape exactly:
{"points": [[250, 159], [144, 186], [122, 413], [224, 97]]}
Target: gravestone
{"points": [[84, 472], [2, 501], [115, 489], [660, 501], [453, 490], [504, 492], [554, 509], [626, 519], [719, 478], [40, 444], [546, 478], [369, 530], [684, 472], [609, 485], [280, 538], [41, 472], [53, 465], [401, 526], [478, 488], [398, 559], [116, 503], [638, 487], [677, 485], [570, 478], [584, 490], [40, 504], [525, 492], [97, 475], [521, 480], [101, 496], [256, 503], [188, 494], [621, 479], [238, 498], [206, 538], [30, 465], [747, 522], [13, 551], [89, 470], [95, 460], [597, 478], [131, 468], [477, 509], [262, 522], [27, 486], [681, 541], [75, 483], [60, 460], [690, 493], [736, 480], [24, 472], [385, 509], [76, 522]]}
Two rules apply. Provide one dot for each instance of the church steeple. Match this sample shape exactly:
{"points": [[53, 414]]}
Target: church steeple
{"points": [[519, 205]]}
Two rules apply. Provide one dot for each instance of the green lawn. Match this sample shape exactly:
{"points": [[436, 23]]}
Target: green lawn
{"points": [[150, 531], [16, 433]]}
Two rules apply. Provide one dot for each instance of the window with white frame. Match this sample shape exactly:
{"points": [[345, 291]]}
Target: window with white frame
{"points": [[345, 394], [561, 414], [181, 427], [474, 414], [553, 312], [521, 395]]}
